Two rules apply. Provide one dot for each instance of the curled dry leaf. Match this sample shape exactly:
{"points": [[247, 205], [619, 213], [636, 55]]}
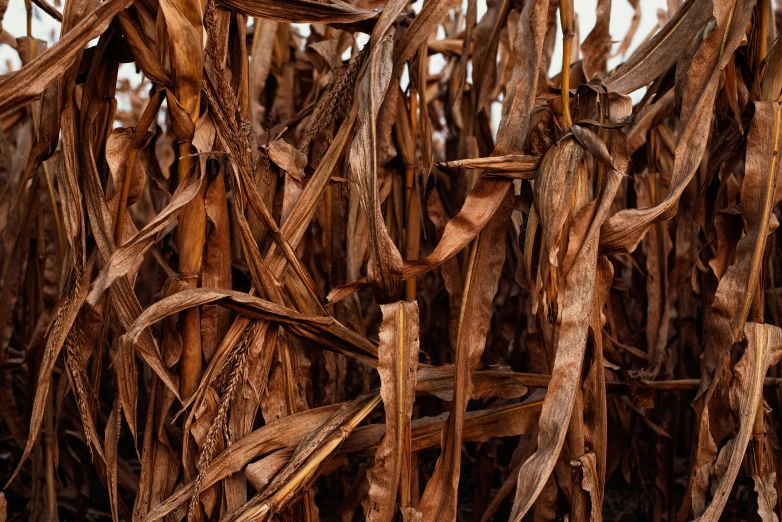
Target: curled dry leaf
{"points": [[288, 158], [625, 229], [764, 348], [515, 164], [766, 489]]}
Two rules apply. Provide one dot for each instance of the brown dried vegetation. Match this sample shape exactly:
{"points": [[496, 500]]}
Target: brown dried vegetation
{"points": [[300, 278]]}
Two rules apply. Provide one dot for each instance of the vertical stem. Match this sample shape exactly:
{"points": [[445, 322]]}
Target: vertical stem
{"points": [[405, 129], [48, 436], [48, 415], [758, 440], [55, 211], [577, 449], [412, 229], [29, 6], [35, 110], [191, 229], [410, 494], [578, 497], [191, 239], [762, 9], [566, 19], [138, 139]]}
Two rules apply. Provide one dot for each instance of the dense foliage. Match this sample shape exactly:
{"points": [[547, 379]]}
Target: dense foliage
{"points": [[313, 272]]}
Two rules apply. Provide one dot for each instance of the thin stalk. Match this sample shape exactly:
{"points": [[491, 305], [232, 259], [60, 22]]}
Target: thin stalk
{"points": [[566, 20], [35, 108], [758, 40], [29, 6], [758, 440], [412, 230], [578, 497], [191, 239], [48, 419], [190, 242], [48, 437], [694, 384], [55, 211], [412, 224], [139, 133], [279, 500], [409, 491]]}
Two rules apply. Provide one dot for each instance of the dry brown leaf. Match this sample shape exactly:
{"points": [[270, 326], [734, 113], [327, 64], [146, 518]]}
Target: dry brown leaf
{"points": [[596, 47], [520, 164], [757, 199], [23, 86], [60, 327], [301, 11], [766, 489], [397, 365], [440, 496], [288, 158], [658, 54], [764, 348], [384, 269], [625, 229], [324, 330], [125, 258], [572, 324]]}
